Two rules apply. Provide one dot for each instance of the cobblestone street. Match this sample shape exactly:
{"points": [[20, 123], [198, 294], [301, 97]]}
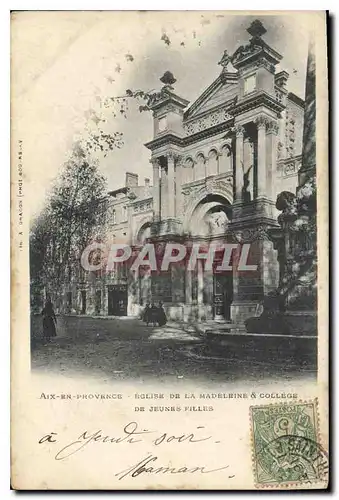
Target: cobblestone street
{"points": [[126, 349]]}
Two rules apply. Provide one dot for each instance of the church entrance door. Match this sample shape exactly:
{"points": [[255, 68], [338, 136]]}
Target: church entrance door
{"points": [[222, 296], [117, 300]]}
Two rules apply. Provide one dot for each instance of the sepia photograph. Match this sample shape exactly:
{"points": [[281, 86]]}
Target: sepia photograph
{"points": [[119, 277], [166, 215]]}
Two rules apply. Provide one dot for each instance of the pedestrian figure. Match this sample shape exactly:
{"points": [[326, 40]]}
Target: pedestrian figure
{"points": [[49, 320], [162, 320], [153, 314], [146, 317]]}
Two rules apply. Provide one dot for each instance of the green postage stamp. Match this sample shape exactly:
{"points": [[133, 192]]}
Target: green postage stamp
{"points": [[286, 449]]}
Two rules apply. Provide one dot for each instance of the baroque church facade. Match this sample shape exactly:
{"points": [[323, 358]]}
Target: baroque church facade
{"points": [[218, 165]]}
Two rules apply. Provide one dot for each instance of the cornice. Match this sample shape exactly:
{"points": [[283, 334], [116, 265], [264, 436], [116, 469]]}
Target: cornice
{"points": [[163, 140], [257, 99], [171, 139], [170, 97], [297, 100], [255, 49]]}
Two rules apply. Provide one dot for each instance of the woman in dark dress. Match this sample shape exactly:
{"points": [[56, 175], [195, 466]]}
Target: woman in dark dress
{"points": [[153, 314], [49, 320], [162, 320], [146, 314]]}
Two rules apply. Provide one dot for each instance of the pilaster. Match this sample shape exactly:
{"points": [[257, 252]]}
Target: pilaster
{"points": [[178, 185], [239, 162], [170, 185], [250, 286], [156, 188], [261, 123], [271, 156]]}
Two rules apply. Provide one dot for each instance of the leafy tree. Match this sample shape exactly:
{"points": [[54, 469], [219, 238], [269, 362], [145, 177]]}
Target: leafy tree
{"points": [[74, 211], [98, 138]]}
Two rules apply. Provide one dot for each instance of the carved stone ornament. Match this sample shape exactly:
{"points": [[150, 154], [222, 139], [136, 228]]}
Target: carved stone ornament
{"points": [[256, 29], [272, 127], [189, 192], [239, 130], [290, 168], [175, 157], [244, 51], [212, 185], [168, 78], [155, 162], [207, 121], [143, 207], [225, 60], [217, 222], [262, 62], [179, 159], [131, 195], [249, 235], [261, 122]]}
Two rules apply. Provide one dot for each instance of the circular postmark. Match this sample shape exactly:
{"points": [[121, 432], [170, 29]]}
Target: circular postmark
{"points": [[292, 458]]}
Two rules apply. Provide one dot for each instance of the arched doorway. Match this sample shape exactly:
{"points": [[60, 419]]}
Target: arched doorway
{"points": [[144, 233], [211, 290]]}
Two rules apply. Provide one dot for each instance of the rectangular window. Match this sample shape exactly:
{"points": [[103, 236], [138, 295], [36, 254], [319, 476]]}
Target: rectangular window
{"points": [[69, 299], [98, 301], [194, 286], [124, 212], [162, 287], [249, 84], [83, 301], [162, 124]]}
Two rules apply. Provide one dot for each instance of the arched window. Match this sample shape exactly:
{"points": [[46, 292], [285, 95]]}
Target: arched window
{"points": [[188, 171], [114, 216], [225, 160], [200, 167], [144, 233], [212, 166]]}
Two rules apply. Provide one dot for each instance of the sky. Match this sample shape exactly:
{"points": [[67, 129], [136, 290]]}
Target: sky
{"points": [[62, 62]]}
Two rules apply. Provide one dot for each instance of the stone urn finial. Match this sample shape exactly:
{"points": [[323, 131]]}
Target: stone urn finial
{"points": [[168, 79], [256, 29]]}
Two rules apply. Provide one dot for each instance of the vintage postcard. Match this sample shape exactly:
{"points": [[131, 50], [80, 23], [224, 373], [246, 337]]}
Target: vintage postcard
{"points": [[169, 204]]}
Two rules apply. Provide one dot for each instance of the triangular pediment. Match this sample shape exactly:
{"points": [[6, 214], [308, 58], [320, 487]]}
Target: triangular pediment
{"points": [[221, 91]]}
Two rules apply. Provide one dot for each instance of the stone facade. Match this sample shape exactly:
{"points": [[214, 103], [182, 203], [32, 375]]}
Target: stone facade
{"points": [[218, 165]]}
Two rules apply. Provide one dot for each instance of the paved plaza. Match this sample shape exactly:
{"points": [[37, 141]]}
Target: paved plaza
{"points": [[125, 348]]}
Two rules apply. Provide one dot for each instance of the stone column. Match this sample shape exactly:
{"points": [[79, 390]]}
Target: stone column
{"points": [[261, 122], [134, 296], [248, 191], [208, 287], [207, 167], [170, 185], [179, 181], [104, 299], [163, 193], [200, 282], [130, 223], [156, 188], [271, 156], [239, 151], [188, 295], [188, 287]]}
